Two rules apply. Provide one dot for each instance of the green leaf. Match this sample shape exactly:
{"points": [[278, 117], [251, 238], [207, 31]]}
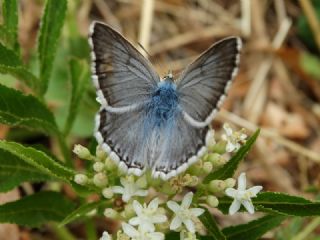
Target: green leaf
{"points": [[10, 21], [38, 160], [20, 110], [278, 203], [80, 76], [230, 167], [211, 225], [81, 211], [10, 63], [51, 25], [36, 209], [281, 203], [254, 229], [13, 172], [310, 64]]}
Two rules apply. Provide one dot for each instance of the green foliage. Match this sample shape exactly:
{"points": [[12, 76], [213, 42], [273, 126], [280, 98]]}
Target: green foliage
{"points": [[51, 25], [81, 211], [254, 229], [39, 160], [212, 226], [10, 22], [230, 167], [13, 172], [310, 63], [10, 63], [36, 209], [278, 203], [80, 76], [17, 109]]}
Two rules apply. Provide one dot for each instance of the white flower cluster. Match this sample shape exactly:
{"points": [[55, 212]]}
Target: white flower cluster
{"points": [[233, 139]]}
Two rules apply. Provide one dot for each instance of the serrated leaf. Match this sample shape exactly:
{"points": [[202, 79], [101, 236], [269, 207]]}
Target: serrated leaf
{"points": [[278, 203], [20, 110], [10, 63], [38, 160], [13, 172], [81, 211], [230, 167], [36, 209], [254, 229], [80, 76], [10, 22], [51, 25], [285, 204], [212, 227]]}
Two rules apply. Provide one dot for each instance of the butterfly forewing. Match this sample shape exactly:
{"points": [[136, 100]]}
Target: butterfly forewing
{"points": [[203, 84], [122, 76]]}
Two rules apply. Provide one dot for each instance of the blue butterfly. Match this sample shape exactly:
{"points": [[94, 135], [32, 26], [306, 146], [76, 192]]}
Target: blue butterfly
{"points": [[148, 122]]}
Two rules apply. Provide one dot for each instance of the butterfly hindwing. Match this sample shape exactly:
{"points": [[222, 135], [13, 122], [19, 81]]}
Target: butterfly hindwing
{"points": [[203, 84]]}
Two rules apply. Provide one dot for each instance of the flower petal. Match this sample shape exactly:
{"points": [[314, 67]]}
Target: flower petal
{"points": [[123, 182], [254, 190], [175, 207], [231, 192], [227, 129], [234, 207], [146, 227], [141, 193], [189, 225], [196, 211], [153, 205], [187, 200], [135, 221], [137, 207], [158, 218], [156, 236], [117, 189], [126, 196], [242, 182], [175, 223], [129, 230], [230, 147], [249, 206]]}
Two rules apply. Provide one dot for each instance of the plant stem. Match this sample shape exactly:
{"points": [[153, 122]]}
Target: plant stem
{"points": [[308, 229], [90, 230], [64, 150], [61, 232]]}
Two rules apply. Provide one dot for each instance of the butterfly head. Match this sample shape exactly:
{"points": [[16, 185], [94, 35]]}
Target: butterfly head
{"points": [[168, 77]]}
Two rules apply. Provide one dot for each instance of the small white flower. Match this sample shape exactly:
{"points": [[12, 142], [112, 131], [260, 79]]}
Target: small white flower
{"points": [[105, 236], [242, 196], [184, 214], [129, 189], [141, 234], [147, 216], [233, 139]]}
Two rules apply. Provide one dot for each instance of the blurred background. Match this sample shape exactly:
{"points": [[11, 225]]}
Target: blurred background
{"points": [[277, 88]]}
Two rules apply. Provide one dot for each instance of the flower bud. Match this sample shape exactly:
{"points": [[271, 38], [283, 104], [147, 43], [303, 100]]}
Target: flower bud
{"points": [[129, 211], [111, 213], [207, 167], [109, 164], [219, 147], [107, 193], [100, 180], [217, 186], [142, 182], [212, 201], [82, 152], [81, 179], [98, 166], [100, 153], [230, 182], [168, 189]]}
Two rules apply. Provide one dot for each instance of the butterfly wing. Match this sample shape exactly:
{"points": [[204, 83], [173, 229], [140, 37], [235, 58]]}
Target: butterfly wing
{"points": [[123, 78], [202, 86]]}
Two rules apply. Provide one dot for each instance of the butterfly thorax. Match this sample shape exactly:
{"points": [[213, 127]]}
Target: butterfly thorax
{"points": [[164, 102]]}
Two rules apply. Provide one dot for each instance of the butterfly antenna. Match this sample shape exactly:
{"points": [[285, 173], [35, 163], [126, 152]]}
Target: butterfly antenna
{"points": [[149, 57]]}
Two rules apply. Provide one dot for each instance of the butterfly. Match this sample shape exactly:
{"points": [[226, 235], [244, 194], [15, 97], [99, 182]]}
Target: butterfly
{"points": [[146, 122]]}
